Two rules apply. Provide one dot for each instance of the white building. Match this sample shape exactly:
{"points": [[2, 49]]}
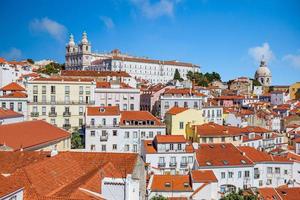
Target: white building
{"points": [[180, 97], [212, 114], [117, 94], [9, 116], [109, 129], [279, 97], [168, 154], [80, 57]]}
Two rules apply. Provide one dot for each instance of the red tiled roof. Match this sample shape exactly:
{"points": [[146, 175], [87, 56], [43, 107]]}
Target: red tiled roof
{"points": [[108, 85], [12, 87], [255, 129], [88, 73], [183, 91], [170, 139], [138, 116], [175, 110], [60, 79], [268, 193], [168, 183], [220, 155], [229, 97], [30, 134], [103, 110], [6, 114], [150, 149], [2, 60], [280, 193], [62, 176], [15, 95], [213, 129], [246, 138], [203, 176], [259, 156], [7, 186]]}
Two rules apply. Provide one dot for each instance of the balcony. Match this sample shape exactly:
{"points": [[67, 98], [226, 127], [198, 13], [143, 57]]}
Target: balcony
{"points": [[161, 164], [43, 91], [35, 91], [67, 92], [34, 114], [67, 126], [183, 164], [80, 92], [104, 137], [67, 114], [52, 114], [62, 103], [87, 92], [173, 164], [80, 113], [256, 176]]}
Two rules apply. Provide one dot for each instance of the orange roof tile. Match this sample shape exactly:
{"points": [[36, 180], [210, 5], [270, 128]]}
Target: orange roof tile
{"points": [[103, 110], [88, 73], [217, 155], [28, 134], [108, 85], [175, 110], [7, 186], [282, 193], [203, 176], [183, 91], [14, 95], [2, 60], [169, 139], [168, 183], [255, 129], [12, 87], [66, 79], [139, 116], [213, 129], [6, 114]]}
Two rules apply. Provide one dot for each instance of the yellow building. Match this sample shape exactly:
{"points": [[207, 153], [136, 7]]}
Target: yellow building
{"points": [[177, 118], [295, 91], [214, 133], [60, 101]]}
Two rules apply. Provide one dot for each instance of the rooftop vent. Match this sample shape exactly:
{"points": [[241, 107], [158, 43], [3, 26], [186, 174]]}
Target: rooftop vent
{"points": [[211, 146], [208, 163], [102, 109], [243, 161], [223, 146], [167, 184], [186, 185], [225, 162]]}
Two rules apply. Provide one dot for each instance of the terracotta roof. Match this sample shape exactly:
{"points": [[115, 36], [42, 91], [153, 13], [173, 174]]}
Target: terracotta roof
{"points": [[268, 193], [229, 97], [88, 73], [30, 134], [12, 87], [66, 79], [259, 156], [103, 111], [280, 193], [15, 95], [203, 176], [170, 139], [255, 129], [168, 183], [6, 114], [175, 110], [138, 116], [220, 155], [62, 176], [213, 129], [2, 60], [246, 138], [7, 186], [150, 148], [108, 85], [146, 60]]}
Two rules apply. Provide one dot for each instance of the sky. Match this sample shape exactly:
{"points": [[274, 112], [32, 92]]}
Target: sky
{"points": [[226, 36]]}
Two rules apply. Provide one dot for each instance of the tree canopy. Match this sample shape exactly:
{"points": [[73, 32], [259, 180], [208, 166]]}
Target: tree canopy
{"points": [[30, 61], [160, 197], [177, 75], [203, 79], [238, 196], [51, 68], [76, 140]]}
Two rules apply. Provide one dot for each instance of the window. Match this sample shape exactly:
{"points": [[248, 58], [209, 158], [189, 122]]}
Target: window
{"points": [[260, 182], [35, 98], [52, 121], [211, 140], [203, 140], [80, 121], [179, 147], [195, 104], [222, 175], [3, 105], [239, 174], [44, 98], [52, 99], [173, 159], [190, 159], [230, 174], [114, 121], [181, 125], [114, 147], [185, 104], [67, 99], [93, 147], [247, 174], [80, 99], [167, 105], [115, 132], [285, 172], [277, 170], [67, 89], [131, 106], [43, 110], [52, 89], [150, 134], [80, 89], [103, 147], [269, 170], [223, 139], [103, 121], [80, 110], [176, 104], [127, 134], [161, 160], [135, 134], [126, 148], [35, 89], [11, 106], [93, 133], [124, 106], [269, 181], [171, 146], [134, 148]]}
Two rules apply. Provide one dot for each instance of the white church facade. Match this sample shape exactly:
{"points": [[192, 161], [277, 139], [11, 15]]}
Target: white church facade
{"points": [[80, 57]]}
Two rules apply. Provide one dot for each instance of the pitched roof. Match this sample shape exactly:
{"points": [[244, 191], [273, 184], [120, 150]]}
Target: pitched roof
{"points": [[12, 87], [150, 147], [203, 176], [213, 129], [138, 116], [104, 84], [220, 155], [88, 73], [170, 139], [30, 134], [183, 91], [6, 114], [257, 156], [280, 193], [103, 111], [63, 79], [176, 110], [168, 183], [14, 95], [62, 176], [7, 186], [255, 129]]}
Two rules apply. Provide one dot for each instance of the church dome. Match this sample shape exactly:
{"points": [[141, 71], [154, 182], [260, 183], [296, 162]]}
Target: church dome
{"points": [[84, 39], [71, 40], [263, 70]]}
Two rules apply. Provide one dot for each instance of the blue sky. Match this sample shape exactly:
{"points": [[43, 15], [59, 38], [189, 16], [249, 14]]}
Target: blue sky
{"points": [[228, 36]]}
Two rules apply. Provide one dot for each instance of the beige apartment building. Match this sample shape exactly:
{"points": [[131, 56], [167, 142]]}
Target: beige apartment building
{"points": [[60, 101]]}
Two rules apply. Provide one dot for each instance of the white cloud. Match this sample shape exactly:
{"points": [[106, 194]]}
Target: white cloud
{"points": [[12, 54], [259, 52], [55, 29], [293, 59], [157, 9], [108, 22]]}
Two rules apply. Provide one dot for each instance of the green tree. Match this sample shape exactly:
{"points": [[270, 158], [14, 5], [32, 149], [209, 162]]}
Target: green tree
{"points": [[255, 82], [76, 140], [30, 61], [177, 75], [51, 68], [203, 79], [238, 196], [160, 197]]}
